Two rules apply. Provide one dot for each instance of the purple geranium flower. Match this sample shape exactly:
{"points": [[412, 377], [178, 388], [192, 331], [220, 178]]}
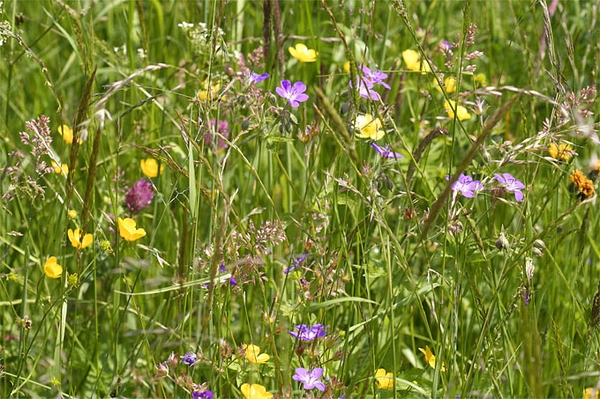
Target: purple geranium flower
{"points": [[189, 359], [306, 333], [297, 261], [511, 185], [202, 395], [386, 152], [365, 89], [310, 379], [255, 78], [375, 77], [294, 94], [466, 186], [139, 195]]}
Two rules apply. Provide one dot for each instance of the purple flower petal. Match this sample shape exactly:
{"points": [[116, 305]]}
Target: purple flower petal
{"points": [[386, 152], [294, 94], [511, 185], [255, 78]]}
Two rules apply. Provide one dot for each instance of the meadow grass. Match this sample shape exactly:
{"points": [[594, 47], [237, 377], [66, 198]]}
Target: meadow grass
{"points": [[461, 260]]}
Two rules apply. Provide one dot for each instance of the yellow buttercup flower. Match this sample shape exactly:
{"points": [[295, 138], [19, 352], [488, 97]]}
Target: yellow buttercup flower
{"points": [[591, 393], [150, 167], [128, 230], [561, 151], [347, 66], [255, 391], [303, 53], [60, 170], [72, 214], [413, 61], [254, 356], [461, 112], [449, 85], [52, 268], [80, 242], [384, 380], [430, 358], [67, 133], [368, 128], [204, 94]]}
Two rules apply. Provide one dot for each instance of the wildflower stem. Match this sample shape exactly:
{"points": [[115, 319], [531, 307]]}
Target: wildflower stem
{"points": [[485, 131]]}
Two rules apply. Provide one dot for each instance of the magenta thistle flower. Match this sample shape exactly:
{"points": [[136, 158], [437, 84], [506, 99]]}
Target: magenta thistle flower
{"points": [[306, 333], [139, 195], [294, 94], [386, 152], [310, 379], [466, 186], [510, 184], [255, 78]]}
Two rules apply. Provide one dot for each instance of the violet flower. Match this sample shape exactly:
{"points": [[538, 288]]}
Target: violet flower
{"points": [[255, 78], [306, 333], [297, 261], [310, 379], [365, 89], [139, 195], [386, 152], [202, 395], [294, 94], [189, 359], [375, 77], [510, 184], [466, 186]]}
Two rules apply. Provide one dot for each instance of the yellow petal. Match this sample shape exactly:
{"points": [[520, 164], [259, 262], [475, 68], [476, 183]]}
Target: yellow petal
{"points": [[303, 53], [87, 240], [52, 268], [150, 167], [66, 133], [128, 230]]}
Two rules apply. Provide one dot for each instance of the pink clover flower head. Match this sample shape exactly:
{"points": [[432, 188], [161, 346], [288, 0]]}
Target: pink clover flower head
{"points": [[466, 186], [139, 195], [310, 379], [386, 152], [255, 78], [510, 184], [221, 127], [309, 333], [293, 93]]}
